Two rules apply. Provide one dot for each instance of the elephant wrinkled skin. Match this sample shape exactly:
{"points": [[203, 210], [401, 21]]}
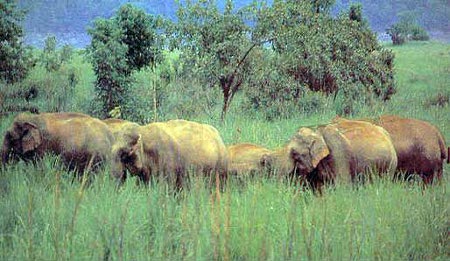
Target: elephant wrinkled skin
{"points": [[338, 151], [79, 139], [170, 148], [247, 158]]}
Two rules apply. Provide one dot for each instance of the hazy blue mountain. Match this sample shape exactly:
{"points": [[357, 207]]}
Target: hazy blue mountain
{"points": [[68, 19]]}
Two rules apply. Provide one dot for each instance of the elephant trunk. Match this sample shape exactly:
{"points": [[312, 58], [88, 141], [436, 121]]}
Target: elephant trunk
{"points": [[118, 171]]}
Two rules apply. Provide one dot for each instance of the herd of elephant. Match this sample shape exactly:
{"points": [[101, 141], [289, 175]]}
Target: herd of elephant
{"points": [[340, 151]]}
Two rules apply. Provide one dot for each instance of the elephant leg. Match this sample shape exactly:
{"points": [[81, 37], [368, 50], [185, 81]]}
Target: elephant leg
{"points": [[179, 178], [427, 179], [143, 177], [439, 171]]}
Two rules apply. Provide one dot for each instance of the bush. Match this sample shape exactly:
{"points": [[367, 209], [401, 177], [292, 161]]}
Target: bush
{"points": [[56, 89], [51, 57], [440, 99], [406, 29], [419, 34]]}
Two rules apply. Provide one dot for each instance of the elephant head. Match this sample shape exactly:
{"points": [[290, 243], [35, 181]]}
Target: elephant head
{"points": [[307, 148], [127, 154], [22, 139]]}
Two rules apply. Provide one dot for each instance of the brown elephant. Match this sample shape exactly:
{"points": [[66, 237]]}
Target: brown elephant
{"points": [[170, 148], [125, 147], [339, 151], [79, 139], [420, 146], [247, 158]]}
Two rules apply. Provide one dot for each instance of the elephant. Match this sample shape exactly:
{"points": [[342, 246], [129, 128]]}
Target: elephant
{"points": [[126, 138], [247, 158], [420, 146], [81, 141], [339, 151], [170, 148], [118, 126]]}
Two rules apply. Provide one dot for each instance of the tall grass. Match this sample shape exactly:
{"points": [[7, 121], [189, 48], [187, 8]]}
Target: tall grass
{"points": [[45, 215]]}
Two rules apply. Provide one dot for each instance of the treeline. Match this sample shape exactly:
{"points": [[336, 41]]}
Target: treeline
{"points": [[286, 57], [49, 16], [277, 55]]}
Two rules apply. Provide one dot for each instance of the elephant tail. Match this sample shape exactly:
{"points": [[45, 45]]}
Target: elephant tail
{"points": [[445, 152]]}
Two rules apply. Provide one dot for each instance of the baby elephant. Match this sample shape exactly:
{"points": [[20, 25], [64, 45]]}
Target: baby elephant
{"points": [[247, 158], [81, 141]]}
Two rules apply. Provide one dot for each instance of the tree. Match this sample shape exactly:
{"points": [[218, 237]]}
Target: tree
{"points": [[320, 6], [15, 59], [407, 28], [216, 45], [51, 57], [120, 45], [317, 52], [108, 55], [139, 35]]}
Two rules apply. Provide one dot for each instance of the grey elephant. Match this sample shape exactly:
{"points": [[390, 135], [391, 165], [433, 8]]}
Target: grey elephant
{"points": [[248, 158], [171, 149], [338, 151], [420, 146], [81, 141]]}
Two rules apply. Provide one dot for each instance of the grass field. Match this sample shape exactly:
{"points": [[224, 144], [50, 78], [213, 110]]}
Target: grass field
{"points": [[46, 216]]}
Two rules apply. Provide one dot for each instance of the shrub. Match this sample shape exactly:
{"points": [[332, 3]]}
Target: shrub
{"points": [[51, 57], [440, 99], [418, 33], [406, 29]]}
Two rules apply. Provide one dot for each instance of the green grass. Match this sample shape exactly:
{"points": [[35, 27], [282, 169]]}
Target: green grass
{"points": [[46, 216]]}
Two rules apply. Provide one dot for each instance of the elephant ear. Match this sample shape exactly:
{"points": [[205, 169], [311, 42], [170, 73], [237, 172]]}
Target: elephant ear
{"points": [[32, 137], [134, 145], [318, 151]]}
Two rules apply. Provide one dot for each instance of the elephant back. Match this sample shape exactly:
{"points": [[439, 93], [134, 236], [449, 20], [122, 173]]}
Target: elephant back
{"points": [[371, 147]]}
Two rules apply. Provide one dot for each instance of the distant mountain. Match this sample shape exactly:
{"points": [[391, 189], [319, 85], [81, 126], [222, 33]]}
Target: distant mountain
{"points": [[68, 19]]}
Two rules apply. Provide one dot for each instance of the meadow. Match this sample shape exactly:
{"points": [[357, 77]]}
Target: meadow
{"points": [[45, 215]]}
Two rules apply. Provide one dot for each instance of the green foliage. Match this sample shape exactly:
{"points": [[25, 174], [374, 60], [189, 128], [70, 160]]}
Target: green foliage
{"points": [[51, 58], [15, 59], [108, 55], [214, 45], [320, 6], [336, 56], [407, 28], [139, 35], [55, 89], [120, 45]]}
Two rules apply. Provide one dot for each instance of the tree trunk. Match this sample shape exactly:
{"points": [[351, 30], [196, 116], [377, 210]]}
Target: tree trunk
{"points": [[225, 85]]}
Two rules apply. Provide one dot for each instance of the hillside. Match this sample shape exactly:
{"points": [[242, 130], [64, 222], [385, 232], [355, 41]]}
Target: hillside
{"points": [[68, 20]]}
